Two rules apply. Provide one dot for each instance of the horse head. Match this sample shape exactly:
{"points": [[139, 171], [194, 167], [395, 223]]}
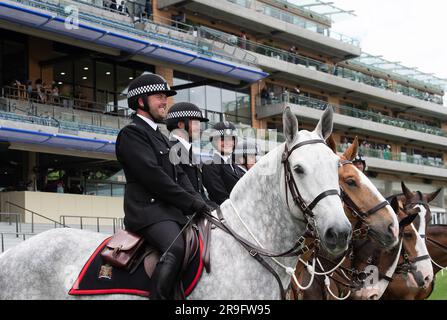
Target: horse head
{"points": [[415, 262], [417, 201], [364, 204], [311, 182]]}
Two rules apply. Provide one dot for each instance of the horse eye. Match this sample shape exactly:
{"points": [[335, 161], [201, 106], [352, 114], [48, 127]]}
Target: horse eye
{"points": [[298, 169], [351, 182], [408, 235]]}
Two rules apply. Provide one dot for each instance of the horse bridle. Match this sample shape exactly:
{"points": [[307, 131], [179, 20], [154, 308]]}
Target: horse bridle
{"points": [[290, 182], [359, 232], [407, 265]]}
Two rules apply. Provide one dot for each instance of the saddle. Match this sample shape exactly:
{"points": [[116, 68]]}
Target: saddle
{"points": [[127, 250]]}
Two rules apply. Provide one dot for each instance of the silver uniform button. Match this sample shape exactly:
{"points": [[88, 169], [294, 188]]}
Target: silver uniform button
{"points": [[161, 152], [152, 200]]}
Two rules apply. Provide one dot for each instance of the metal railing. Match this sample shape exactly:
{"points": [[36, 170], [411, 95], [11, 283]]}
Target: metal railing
{"points": [[115, 222], [237, 42], [130, 28], [351, 112], [400, 157], [18, 220], [291, 18], [16, 234], [56, 223], [56, 114]]}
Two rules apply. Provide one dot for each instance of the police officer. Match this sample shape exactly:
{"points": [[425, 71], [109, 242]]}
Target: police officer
{"points": [[183, 122], [222, 174], [359, 162], [246, 155], [158, 194]]}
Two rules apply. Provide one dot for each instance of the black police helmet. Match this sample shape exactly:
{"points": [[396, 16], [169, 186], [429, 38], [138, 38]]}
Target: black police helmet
{"points": [[146, 85], [183, 111]]}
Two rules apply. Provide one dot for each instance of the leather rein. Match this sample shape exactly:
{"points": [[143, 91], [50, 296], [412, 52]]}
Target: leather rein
{"points": [[299, 247]]}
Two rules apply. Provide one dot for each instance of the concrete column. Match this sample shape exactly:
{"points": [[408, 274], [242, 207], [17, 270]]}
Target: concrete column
{"points": [[254, 91], [388, 189], [442, 198], [160, 15], [31, 175], [168, 74]]}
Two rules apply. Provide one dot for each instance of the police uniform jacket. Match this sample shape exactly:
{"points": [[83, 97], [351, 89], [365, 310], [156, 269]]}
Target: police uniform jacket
{"points": [[193, 169], [156, 190], [220, 178]]}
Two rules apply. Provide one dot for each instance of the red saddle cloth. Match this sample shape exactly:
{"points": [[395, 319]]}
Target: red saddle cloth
{"points": [[98, 278]]}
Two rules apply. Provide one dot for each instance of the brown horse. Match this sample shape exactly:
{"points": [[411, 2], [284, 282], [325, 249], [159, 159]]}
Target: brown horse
{"points": [[436, 240], [407, 284], [370, 215]]}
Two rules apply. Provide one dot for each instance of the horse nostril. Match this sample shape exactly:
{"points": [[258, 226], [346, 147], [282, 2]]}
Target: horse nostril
{"points": [[331, 238], [427, 280]]}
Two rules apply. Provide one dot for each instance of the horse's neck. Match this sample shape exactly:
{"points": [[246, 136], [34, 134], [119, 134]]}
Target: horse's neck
{"points": [[256, 204]]}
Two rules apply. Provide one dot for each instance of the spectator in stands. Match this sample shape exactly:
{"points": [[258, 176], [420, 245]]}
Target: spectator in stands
{"points": [[60, 186], [264, 96], [113, 5], [123, 8], [148, 8], [40, 90], [243, 40], [29, 89], [54, 93]]}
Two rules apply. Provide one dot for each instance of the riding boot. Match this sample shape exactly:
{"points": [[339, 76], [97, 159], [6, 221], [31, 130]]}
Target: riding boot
{"points": [[164, 278]]}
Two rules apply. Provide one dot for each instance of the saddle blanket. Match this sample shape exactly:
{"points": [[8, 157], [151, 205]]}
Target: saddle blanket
{"points": [[98, 278]]}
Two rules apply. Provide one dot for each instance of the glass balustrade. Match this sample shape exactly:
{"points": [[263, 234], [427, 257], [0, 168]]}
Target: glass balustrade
{"points": [[400, 157], [351, 112]]}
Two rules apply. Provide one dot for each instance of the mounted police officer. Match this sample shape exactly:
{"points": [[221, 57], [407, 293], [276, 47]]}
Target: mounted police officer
{"points": [[359, 162], [246, 155], [158, 195], [222, 174], [183, 121]]}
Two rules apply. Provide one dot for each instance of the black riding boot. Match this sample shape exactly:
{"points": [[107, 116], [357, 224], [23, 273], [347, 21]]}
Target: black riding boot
{"points": [[164, 278]]}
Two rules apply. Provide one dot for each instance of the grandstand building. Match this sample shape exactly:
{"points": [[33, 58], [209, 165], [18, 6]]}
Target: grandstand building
{"points": [[65, 66]]}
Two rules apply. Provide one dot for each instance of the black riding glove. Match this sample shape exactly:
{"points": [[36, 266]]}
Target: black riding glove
{"points": [[200, 207]]}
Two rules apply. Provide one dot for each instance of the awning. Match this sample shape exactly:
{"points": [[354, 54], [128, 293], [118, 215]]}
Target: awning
{"points": [[56, 140], [183, 53]]}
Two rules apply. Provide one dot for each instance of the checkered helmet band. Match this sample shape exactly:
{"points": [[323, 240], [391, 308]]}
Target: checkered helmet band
{"points": [[158, 87], [184, 114]]}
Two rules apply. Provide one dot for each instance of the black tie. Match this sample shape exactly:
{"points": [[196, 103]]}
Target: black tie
{"points": [[162, 136]]}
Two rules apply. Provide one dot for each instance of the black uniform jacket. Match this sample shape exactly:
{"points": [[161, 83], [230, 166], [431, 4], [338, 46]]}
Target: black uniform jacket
{"points": [[192, 169], [156, 190], [219, 179]]}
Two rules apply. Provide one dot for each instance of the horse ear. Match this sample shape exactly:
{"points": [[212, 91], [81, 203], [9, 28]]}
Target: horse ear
{"points": [[290, 124], [352, 150], [325, 125], [407, 220], [395, 204], [331, 143], [408, 194], [432, 196]]}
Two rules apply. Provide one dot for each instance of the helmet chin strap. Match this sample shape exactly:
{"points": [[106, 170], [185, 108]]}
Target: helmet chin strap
{"points": [[148, 110]]}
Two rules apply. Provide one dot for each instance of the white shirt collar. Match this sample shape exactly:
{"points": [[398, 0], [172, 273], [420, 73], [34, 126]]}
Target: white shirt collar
{"points": [[149, 122], [185, 143], [224, 157]]}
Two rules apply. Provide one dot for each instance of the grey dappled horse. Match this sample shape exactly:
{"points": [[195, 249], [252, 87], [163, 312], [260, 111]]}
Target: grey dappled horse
{"points": [[46, 265]]}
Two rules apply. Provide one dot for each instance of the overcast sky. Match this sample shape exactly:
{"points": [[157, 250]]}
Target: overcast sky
{"points": [[413, 32]]}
